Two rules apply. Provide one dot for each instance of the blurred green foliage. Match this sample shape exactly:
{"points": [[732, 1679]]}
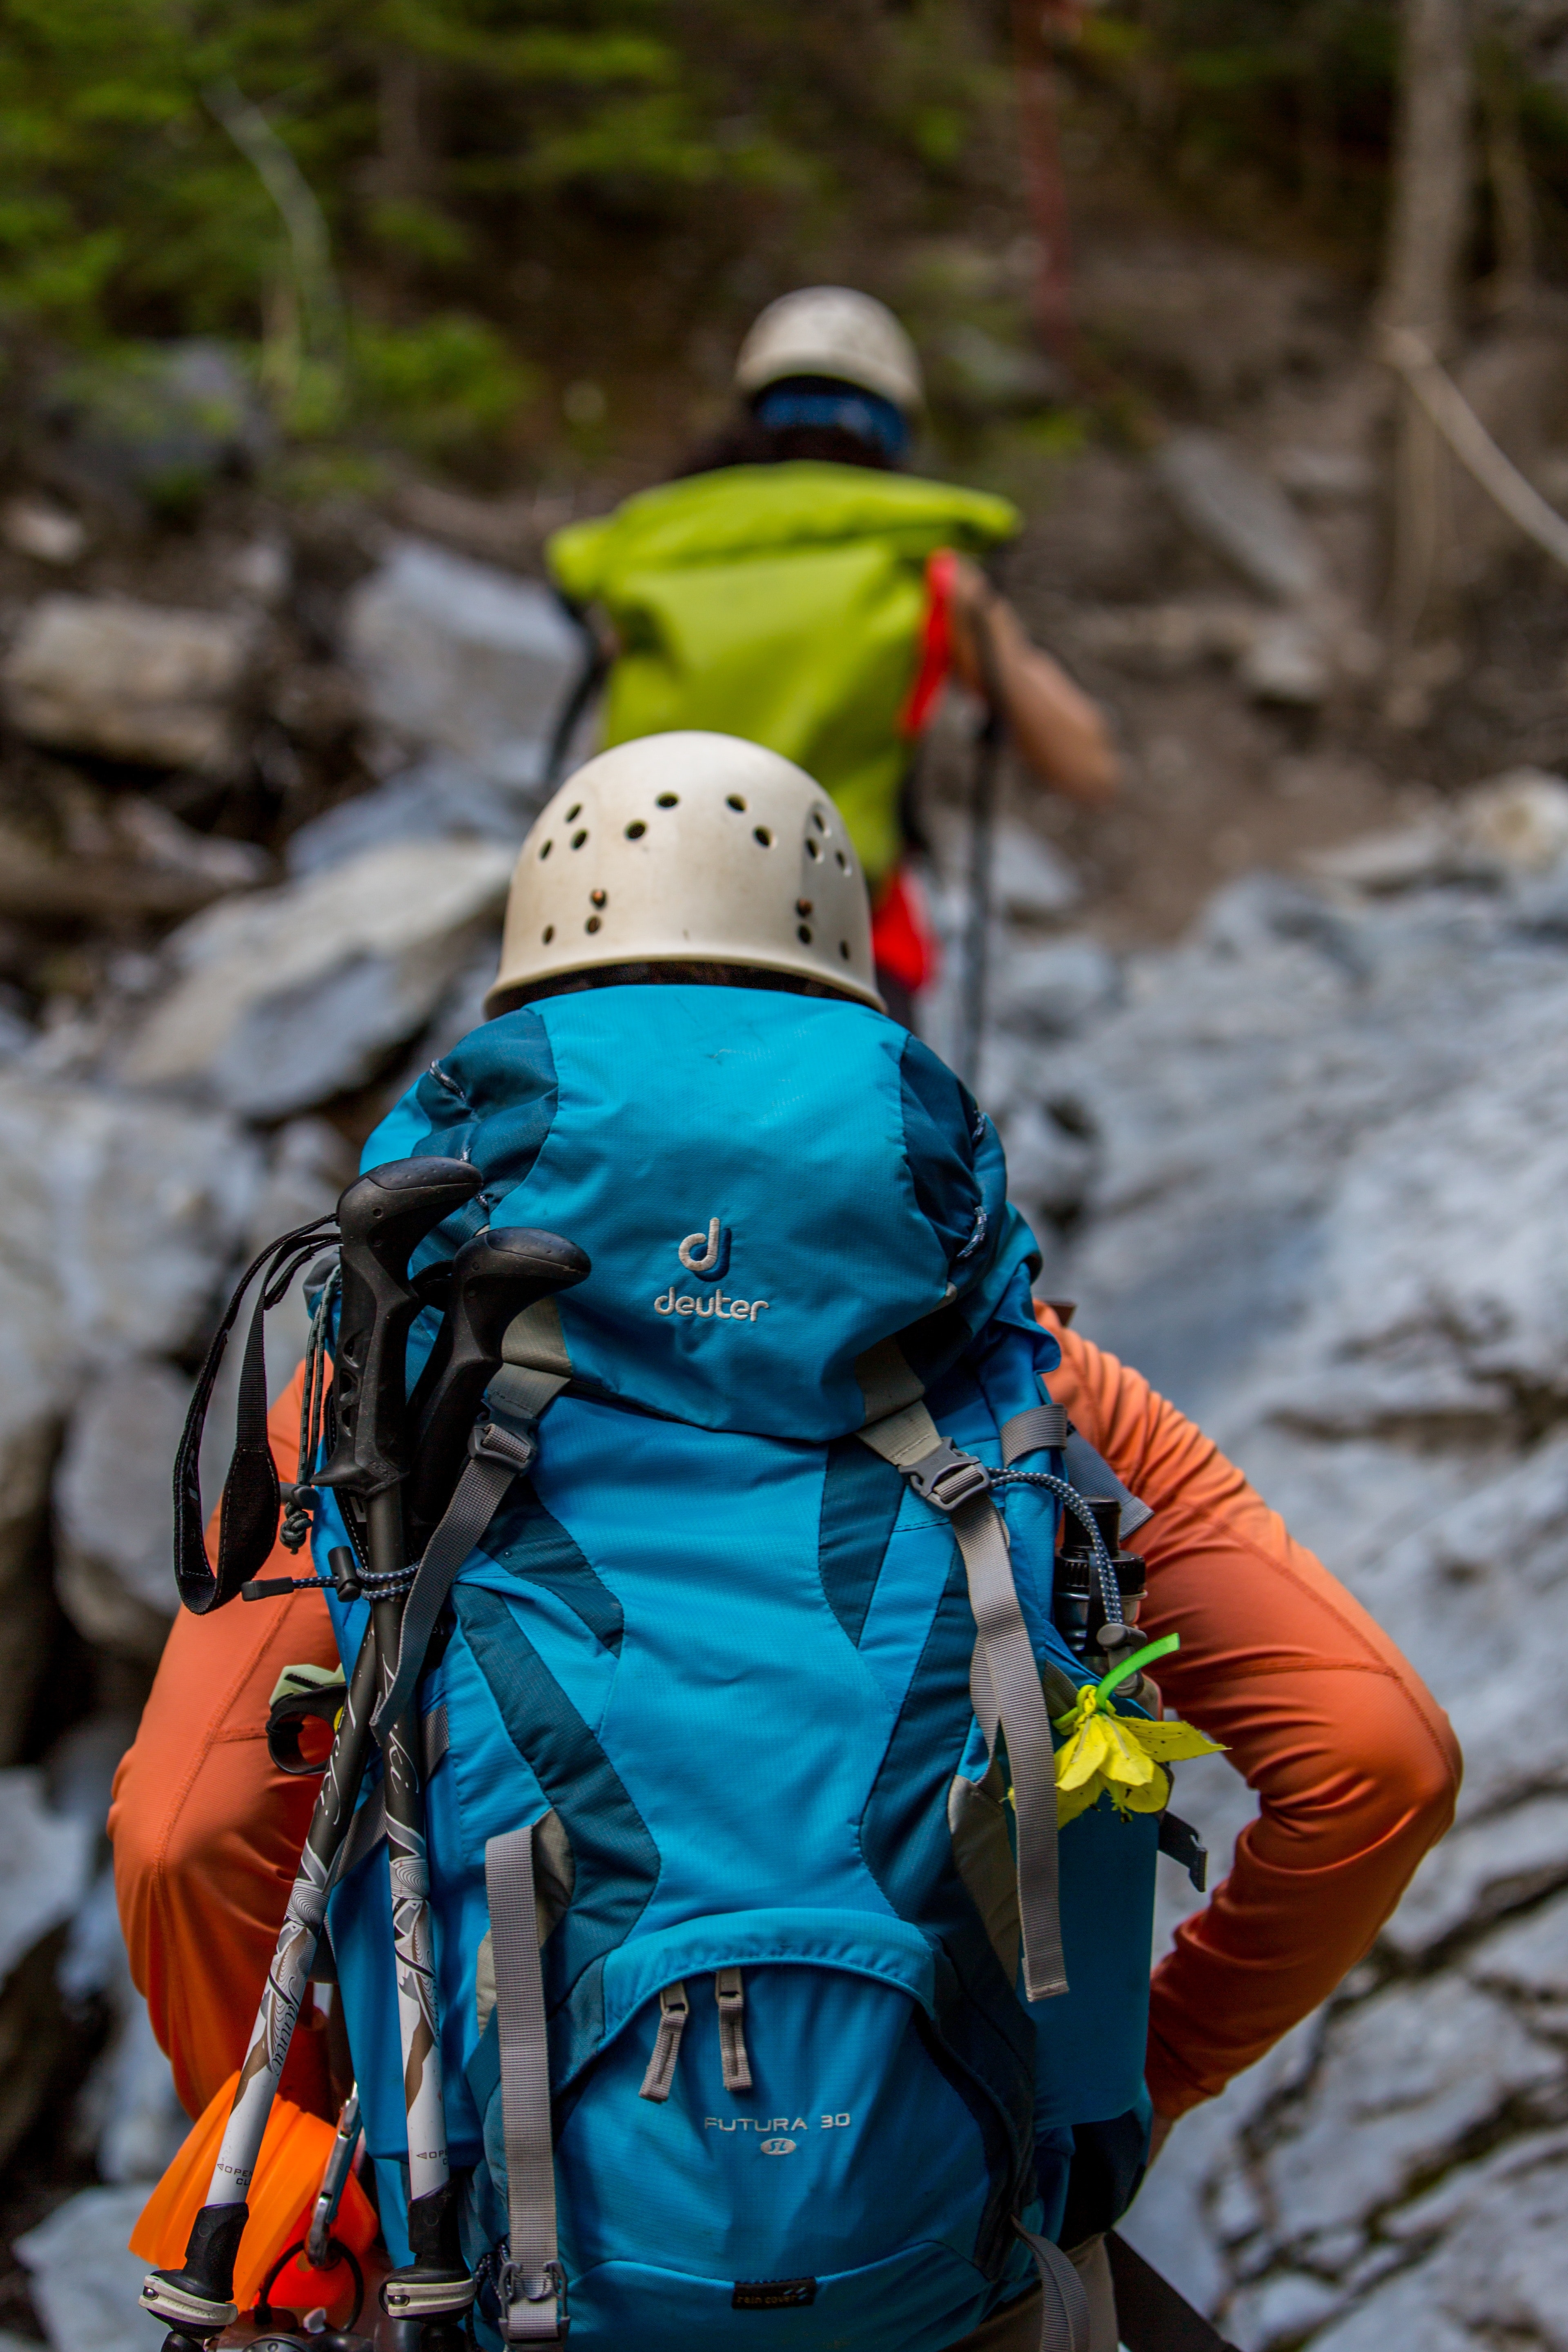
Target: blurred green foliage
{"points": [[507, 196], [467, 158]]}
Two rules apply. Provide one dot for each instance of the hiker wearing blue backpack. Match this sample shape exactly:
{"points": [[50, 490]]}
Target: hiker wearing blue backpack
{"points": [[793, 1802]]}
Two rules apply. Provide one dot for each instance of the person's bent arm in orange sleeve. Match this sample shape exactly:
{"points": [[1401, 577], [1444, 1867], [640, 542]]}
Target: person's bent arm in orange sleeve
{"points": [[207, 1832], [1353, 1763]]}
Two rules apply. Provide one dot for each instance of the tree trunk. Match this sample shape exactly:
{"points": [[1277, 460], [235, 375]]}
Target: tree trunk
{"points": [[1431, 221]]}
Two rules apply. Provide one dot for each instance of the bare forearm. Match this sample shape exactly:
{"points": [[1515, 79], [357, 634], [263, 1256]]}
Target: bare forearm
{"points": [[1058, 731]]}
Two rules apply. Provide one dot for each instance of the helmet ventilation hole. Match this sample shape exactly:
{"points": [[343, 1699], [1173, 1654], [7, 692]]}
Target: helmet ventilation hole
{"points": [[549, 933], [598, 898], [574, 812], [545, 851], [811, 848], [592, 924], [635, 830], [843, 861], [802, 933], [667, 800], [802, 905], [844, 949], [759, 833], [579, 837], [733, 800], [819, 821]]}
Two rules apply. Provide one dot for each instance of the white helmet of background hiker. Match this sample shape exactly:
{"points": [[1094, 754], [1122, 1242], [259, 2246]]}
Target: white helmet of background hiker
{"points": [[832, 331], [688, 848]]}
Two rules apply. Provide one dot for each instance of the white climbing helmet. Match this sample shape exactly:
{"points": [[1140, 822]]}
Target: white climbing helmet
{"points": [[832, 331], [688, 848]]}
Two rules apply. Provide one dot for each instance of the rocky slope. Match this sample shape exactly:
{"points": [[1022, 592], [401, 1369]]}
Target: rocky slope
{"points": [[1319, 1156], [259, 793]]}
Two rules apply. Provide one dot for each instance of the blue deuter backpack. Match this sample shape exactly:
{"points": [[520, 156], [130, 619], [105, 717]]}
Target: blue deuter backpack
{"points": [[732, 1908]]}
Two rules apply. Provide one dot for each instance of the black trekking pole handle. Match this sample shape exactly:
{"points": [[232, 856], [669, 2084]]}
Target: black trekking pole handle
{"points": [[382, 1219], [496, 1278]]}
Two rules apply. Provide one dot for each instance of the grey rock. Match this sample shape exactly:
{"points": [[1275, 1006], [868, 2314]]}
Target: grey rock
{"points": [[438, 800], [1331, 1143], [457, 657], [1282, 2309], [1049, 1168], [84, 2282], [1031, 882], [45, 1861], [284, 999], [1050, 990], [162, 420], [1169, 640], [114, 1512], [1324, 477], [127, 2113], [1481, 1871], [1403, 2078], [1240, 514], [1530, 1957], [39, 528], [141, 682], [1516, 823], [1512, 828], [1287, 661], [120, 1216], [1500, 2274]]}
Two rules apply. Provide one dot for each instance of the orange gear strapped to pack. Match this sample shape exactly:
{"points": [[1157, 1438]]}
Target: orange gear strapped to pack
{"points": [[294, 2153]]}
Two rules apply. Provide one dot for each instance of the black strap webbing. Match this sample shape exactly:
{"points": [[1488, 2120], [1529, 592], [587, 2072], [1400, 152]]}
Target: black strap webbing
{"points": [[247, 1524], [1152, 2316]]}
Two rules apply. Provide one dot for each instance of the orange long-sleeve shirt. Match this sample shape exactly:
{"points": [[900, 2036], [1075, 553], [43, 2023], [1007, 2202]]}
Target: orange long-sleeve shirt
{"points": [[1354, 1765]]}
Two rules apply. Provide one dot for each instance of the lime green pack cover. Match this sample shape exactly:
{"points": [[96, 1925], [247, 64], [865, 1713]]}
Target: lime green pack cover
{"points": [[784, 604]]}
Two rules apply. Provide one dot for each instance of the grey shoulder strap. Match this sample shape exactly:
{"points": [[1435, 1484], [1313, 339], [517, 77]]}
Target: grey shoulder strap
{"points": [[1004, 1676], [1064, 2318], [1036, 1429], [501, 1449], [532, 2283]]}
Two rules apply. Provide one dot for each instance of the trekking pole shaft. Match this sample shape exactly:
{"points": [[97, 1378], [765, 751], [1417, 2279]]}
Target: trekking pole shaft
{"points": [[428, 2297], [413, 1945], [208, 2273]]}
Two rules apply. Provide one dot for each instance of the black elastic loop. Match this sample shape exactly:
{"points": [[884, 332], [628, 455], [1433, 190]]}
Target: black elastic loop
{"points": [[248, 1520]]}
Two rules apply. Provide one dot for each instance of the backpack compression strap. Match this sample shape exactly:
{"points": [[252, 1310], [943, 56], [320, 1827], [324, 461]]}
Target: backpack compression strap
{"points": [[532, 2284], [501, 1449], [1004, 1675]]}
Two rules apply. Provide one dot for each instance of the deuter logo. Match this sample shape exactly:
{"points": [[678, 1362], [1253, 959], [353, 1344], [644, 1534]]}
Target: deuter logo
{"points": [[707, 1255]]}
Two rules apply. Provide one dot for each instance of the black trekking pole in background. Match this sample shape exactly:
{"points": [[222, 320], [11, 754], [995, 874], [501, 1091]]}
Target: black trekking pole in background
{"points": [[381, 1218], [988, 741]]}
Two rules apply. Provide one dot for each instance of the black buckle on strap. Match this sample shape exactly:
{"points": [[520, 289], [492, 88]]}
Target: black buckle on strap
{"points": [[947, 1478]]}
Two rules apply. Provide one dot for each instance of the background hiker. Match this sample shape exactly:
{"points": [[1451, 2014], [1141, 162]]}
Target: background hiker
{"points": [[1353, 1763], [798, 586]]}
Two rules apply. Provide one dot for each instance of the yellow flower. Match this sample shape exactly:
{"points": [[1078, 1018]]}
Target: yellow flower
{"points": [[1121, 1756]]}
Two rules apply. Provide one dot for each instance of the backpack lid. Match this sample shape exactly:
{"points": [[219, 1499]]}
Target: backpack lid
{"points": [[796, 1216]]}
